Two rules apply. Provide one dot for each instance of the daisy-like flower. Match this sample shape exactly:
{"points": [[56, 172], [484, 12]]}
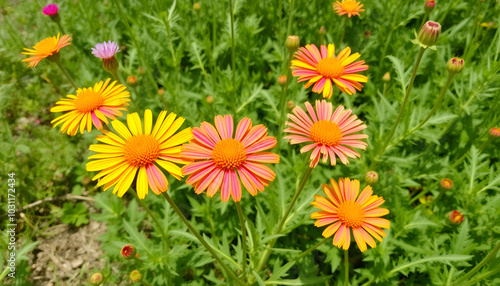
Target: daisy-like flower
{"points": [[327, 132], [343, 210], [222, 161], [105, 50], [323, 69], [50, 10], [456, 217], [349, 7], [137, 150], [46, 48], [90, 106]]}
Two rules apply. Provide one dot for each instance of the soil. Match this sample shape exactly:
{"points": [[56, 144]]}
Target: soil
{"points": [[68, 255]]}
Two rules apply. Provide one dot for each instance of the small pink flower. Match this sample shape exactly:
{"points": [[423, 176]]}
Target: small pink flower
{"points": [[50, 10], [105, 50]]}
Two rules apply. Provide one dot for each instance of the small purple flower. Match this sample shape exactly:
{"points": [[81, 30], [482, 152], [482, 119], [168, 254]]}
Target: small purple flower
{"points": [[105, 50], [50, 10]]}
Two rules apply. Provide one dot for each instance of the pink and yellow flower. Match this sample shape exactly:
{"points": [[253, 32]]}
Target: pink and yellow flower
{"points": [[222, 159], [139, 150], [323, 69], [329, 133], [349, 7], [46, 48], [343, 210], [90, 106]]}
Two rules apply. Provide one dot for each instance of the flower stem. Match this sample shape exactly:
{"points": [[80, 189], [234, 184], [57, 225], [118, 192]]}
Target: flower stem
{"points": [[423, 21], [4, 273], [57, 61], [243, 237], [115, 76], [311, 249], [401, 111], [488, 257], [60, 26], [346, 267], [267, 252], [200, 238], [136, 44], [343, 31], [233, 61], [431, 113]]}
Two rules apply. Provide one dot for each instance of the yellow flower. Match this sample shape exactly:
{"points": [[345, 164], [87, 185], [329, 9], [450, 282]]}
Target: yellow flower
{"points": [[46, 48], [349, 7]]}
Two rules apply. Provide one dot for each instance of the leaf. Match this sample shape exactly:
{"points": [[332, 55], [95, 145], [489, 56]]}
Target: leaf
{"points": [[74, 214], [400, 71], [439, 258]]}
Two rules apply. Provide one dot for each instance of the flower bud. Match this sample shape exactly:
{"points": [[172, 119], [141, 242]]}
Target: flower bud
{"points": [[322, 31], [429, 6], [96, 279], [141, 71], [494, 133], [456, 217], [455, 65], [110, 65], [293, 43], [371, 177], [132, 81], [282, 80], [367, 33], [210, 99], [290, 105], [386, 77], [161, 92], [196, 7], [135, 276], [446, 184], [429, 33], [128, 251]]}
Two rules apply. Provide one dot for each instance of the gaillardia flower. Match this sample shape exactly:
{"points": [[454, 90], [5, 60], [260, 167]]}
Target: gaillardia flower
{"points": [[223, 160], [137, 150], [349, 7], [343, 210], [90, 106], [45, 49], [327, 132], [323, 69]]}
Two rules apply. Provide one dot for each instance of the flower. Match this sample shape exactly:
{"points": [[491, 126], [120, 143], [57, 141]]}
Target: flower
{"points": [[371, 177], [446, 184], [429, 34], [292, 43], [342, 210], [349, 7], [137, 150], [494, 132], [105, 50], [429, 6], [96, 278], [219, 158], [386, 77], [50, 10], [90, 106], [46, 48], [128, 251], [489, 25], [455, 65], [132, 81], [135, 275], [328, 132], [323, 68], [456, 217], [282, 80]]}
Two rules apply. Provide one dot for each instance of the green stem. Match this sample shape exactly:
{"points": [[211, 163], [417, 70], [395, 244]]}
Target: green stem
{"points": [[153, 217], [462, 158], [233, 60], [267, 252], [423, 21], [115, 76], [299, 257], [4, 273], [385, 89], [60, 26], [284, 91], [57, 61], [401, 111], [136, 44], [490, 255], [343, 31], [214, 22], [243, 237], [429, 115], [346, 267], [200, 238]]}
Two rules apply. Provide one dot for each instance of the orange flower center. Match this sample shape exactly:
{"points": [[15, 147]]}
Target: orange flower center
{"points": [[349, 6], [88, 101], [330, 67], [351, 214], [141, 150], [46, 46], [229, 154], [326, 132]]}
